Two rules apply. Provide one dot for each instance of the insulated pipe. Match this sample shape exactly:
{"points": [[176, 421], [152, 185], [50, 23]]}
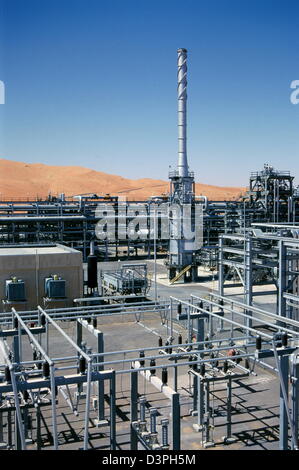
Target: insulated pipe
{"points": [[182, 113], [204, 199]]}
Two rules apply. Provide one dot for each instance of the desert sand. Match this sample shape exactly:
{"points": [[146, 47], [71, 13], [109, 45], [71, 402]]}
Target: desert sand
{"points": [[31, 180]]}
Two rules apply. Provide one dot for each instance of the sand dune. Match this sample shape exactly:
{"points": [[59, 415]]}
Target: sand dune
{"points": [[31, 180]]}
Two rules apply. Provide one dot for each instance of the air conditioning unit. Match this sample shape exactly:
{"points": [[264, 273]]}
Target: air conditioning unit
{"points": [[15, 290], [55, 287]]}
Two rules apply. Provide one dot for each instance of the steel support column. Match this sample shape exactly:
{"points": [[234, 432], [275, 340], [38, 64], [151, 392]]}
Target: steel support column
{"points": [[101, 383], [248, 277], [134, 408], [112, 411], [220, 268], [283, 417], [295, 396], [282, 279], [176, 421]]}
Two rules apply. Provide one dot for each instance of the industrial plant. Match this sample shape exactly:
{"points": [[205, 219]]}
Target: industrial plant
{"points": [[165, 324]]}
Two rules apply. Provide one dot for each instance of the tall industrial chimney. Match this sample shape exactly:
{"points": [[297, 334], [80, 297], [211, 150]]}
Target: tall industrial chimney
{"points": [[182, 112], [182, 180], [181, 249]]}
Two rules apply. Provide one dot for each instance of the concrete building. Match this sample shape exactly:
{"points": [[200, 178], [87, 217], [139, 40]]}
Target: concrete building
{"points": [[34, 275]]}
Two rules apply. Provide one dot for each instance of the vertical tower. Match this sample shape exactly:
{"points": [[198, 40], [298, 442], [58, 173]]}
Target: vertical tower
{"points": [[182, 113], [181, 252], [181, 179]]}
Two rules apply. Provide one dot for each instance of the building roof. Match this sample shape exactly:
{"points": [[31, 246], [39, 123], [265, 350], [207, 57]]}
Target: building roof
{"points": [[35, 249]]}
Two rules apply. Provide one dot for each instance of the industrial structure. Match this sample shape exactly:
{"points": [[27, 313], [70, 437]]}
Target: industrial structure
{"points": [[130, 279], [181, 250], [264, 260], [39, 274], [271, 198], [72, 222], [229, 347], [92, 356]]}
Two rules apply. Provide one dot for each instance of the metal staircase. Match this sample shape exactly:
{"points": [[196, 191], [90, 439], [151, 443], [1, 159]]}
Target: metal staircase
{"points": [[180, 274]]}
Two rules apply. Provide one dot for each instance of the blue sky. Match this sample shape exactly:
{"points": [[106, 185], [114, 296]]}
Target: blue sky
{"points": [[93, 83]]}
